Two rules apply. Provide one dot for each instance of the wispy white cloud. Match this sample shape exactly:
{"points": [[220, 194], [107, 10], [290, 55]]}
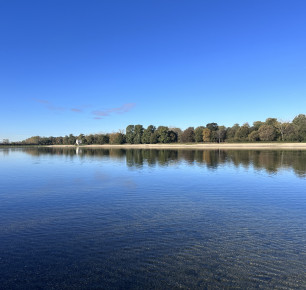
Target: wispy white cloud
{"points": [[55, 108], [120, 110], [98, 114], [50, 106], [76, 110], [45, 102]]}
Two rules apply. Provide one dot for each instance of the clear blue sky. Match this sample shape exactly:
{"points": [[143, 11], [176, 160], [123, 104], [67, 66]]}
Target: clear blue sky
{"points": [[98, 66]]}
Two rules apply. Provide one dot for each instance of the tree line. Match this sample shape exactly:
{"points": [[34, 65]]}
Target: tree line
{"points": [[269, 130]]}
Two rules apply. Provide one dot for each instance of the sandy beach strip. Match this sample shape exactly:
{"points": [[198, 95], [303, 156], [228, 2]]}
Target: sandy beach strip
{"points": [[212, 146]]}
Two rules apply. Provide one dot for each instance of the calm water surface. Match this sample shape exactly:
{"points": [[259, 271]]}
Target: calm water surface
{"points": [[143, 219]]}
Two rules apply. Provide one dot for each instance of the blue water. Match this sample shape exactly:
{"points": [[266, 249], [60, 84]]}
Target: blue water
{"points": [[152, 219]]}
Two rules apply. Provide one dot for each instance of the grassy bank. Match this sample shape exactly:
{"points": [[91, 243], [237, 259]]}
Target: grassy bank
{"points": [[255, 146]]}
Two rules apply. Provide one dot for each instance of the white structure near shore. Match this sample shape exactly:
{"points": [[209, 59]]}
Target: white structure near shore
{"points": [[78, 142]]}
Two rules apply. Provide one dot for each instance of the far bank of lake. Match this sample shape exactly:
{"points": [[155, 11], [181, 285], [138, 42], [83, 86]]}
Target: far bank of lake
{"points": [[224, 146]]}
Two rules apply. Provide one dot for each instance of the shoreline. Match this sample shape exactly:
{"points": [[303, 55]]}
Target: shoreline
{"points": [[212, 146]]}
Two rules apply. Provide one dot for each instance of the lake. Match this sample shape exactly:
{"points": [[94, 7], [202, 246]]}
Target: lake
{"points": [[152, 219]]}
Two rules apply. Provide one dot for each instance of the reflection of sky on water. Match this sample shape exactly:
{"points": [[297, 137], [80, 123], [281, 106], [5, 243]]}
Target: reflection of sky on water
{"points": [[143, 218]]}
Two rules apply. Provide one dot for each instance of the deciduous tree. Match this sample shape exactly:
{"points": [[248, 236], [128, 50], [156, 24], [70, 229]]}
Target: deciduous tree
{"points": [[242, 133], [231, 132], [267, 133], [221, 133], [206, 135], [300, 122], [116, 138], [188, 135], [253, 136], [212, 126], [198, 134], [178, 133], [146, 136], [130, 134], [163, 136], [138, 132]]}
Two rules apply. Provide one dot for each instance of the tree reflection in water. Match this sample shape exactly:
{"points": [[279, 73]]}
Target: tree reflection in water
{"points": [[270, 160]]}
